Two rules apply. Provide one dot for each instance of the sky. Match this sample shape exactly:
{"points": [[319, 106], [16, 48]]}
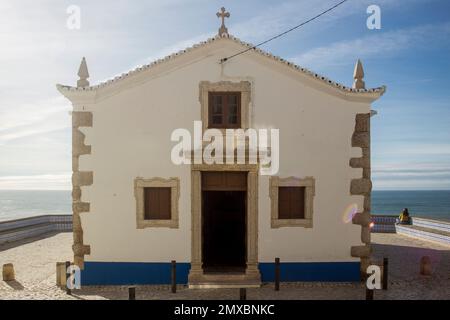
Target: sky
{"points": [[409, 54]]}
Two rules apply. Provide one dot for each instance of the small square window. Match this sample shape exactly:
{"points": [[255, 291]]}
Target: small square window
{"points": [[157, 203], [291, 203]]}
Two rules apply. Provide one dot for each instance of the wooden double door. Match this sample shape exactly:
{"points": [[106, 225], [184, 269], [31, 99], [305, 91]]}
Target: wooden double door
{"points": [[224, 222]]}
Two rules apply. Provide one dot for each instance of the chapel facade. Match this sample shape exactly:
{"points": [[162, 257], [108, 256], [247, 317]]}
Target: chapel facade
{"points": [[136, 209]]}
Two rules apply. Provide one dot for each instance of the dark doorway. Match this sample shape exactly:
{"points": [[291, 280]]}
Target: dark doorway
{"points": [[224, 222]]}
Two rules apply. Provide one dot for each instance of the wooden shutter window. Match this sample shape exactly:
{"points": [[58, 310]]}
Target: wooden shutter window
{"points": [[291, 203], [217, 110], [224, 110], [157, 203]]}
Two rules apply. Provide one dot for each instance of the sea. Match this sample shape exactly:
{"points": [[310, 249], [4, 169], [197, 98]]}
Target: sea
{"points": [[426, 204]]}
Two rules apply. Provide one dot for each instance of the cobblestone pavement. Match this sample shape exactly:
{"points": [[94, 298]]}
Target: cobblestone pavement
{"points": [[35, 267], [35, 272]]}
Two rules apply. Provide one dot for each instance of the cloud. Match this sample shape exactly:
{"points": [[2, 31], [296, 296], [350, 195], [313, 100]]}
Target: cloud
{"points": [[426, 149], [390, 42], [37, 182], [168, 50], [33, 119], [415, 150], [414, 176], [411, 170], [419, 184], [271, 20]]}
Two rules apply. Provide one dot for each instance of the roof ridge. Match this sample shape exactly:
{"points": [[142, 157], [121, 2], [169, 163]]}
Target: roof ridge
{"points": [[203, 43]]}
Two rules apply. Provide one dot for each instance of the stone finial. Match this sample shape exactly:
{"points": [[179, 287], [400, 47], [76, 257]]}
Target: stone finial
{"points": [[223, 31], [358, 75], [83, 73]]}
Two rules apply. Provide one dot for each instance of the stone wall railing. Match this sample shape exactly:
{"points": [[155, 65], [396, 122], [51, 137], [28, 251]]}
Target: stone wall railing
{"points": [[424, 233], [20, 229], [383, 224], [432, 224]]}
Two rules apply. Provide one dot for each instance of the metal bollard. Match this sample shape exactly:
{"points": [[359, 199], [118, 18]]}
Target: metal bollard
{"points": [[369, 294], [242, 294], [277, 274], [68, 291], [385, 273], [131, 293], [174, 276]]}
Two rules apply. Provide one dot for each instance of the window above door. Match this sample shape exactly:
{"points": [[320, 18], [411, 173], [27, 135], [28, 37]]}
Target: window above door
{"points": [[225, 105], [224, 110]]}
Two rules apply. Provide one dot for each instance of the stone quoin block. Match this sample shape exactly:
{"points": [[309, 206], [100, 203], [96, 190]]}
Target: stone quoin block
{"points": [[83, 178], [76, 224], [362, 122], [76, 193], [361, 139], [366, 154], [78, 146], [365, 235], [360, 186], [81, 119], [75, 164], [78, 236], [79, 249], [367, 204], [360, 251], [359, 162], [80, 207], [362, 218], [366, 173]]}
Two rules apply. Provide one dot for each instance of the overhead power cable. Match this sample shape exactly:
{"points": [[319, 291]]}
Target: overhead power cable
{"points": [[285, 32]]}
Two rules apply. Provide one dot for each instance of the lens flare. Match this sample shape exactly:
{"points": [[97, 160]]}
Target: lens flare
{"points": [[349, 213], [371, 225]]}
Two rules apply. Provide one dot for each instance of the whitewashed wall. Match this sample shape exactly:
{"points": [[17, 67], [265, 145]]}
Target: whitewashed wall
{"points": [[130, 137]]}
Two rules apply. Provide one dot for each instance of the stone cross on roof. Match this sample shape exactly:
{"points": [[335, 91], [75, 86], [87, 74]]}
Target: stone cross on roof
{"points": [[223, 31]]}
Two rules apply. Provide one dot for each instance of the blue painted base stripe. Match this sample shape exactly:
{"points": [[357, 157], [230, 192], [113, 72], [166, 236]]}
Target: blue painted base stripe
{"points": [[129, 273], [312, 271]]}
